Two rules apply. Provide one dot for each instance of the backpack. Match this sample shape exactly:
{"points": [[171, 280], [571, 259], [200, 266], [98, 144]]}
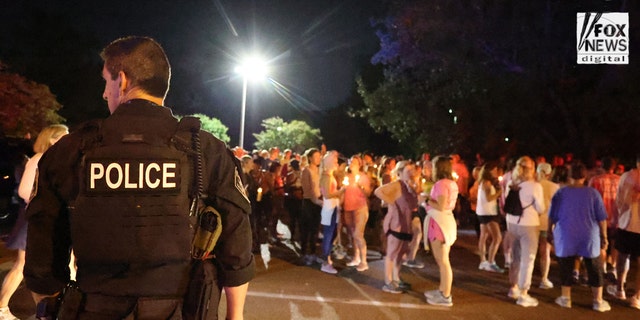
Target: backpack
{"points": [[512, 204]]}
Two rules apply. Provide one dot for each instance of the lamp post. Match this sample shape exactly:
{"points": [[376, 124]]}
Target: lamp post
{"points": [[251, 69], [242, 113]]}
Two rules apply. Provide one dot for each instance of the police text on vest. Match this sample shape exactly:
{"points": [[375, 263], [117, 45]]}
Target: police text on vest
{"points": [[133, 175]]}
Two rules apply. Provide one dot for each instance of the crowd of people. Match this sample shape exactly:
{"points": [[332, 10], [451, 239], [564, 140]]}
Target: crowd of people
{"points": [[588, 218]]}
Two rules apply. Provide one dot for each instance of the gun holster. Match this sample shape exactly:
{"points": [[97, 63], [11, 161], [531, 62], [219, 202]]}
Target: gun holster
{"points": [[208, 231]]}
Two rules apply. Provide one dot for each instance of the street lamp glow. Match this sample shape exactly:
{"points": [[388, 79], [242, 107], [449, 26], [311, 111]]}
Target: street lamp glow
{"points": [[252, 68]]}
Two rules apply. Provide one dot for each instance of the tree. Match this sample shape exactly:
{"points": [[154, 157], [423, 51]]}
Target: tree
{"points": [[295, 135], [213, 126], [26, 107], [433, 73], [465, 76]]}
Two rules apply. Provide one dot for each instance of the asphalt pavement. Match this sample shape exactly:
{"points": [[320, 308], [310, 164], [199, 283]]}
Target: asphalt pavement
{"points": [[288, 289]]}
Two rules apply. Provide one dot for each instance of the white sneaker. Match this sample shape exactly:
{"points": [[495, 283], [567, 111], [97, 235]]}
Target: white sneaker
{"points": [[353, 263], [328, 268], [493, 267], [546, 284], [5, 314], [563, 301], [601, 306], [484, 265], [432, 293], [612, 289], [440, 300], [527, 301]]}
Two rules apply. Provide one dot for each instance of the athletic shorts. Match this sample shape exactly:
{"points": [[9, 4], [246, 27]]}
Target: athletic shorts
{"points": [[487, 219], [435, 233], [628, 242]]}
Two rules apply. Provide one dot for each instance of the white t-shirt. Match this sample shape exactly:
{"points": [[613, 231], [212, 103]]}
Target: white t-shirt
{"points": [[484, 207], [628, 206], [532, 198]]}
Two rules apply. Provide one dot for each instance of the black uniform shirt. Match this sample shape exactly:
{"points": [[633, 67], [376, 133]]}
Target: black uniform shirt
{"points": [[47, 255]]}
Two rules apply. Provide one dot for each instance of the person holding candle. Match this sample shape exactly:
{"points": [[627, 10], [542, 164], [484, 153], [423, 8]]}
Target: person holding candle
{"points": [[356, 212], [487, 211]]}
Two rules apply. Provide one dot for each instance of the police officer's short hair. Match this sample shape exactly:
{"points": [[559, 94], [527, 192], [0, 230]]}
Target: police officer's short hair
{"points": [[144, 62]]}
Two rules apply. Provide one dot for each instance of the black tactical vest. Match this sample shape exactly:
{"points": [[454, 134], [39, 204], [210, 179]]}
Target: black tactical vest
{"points": [[131, 216]]}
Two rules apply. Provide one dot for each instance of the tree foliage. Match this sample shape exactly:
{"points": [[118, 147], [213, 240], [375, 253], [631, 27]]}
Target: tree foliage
{"points": [[295, 135], [497, 78], [213, 126], [26, 107]]}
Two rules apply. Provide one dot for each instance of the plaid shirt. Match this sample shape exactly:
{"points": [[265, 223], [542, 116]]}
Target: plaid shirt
{"points": [[607, 186]]}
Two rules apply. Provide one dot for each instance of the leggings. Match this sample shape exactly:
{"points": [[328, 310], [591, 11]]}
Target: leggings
{"points": [[594, 270]]}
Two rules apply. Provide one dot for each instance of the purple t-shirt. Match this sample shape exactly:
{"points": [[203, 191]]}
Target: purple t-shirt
{"points": [[576, 211]]}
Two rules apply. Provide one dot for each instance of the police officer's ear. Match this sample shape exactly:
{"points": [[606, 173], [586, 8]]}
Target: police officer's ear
{"points": [[123, 83]]}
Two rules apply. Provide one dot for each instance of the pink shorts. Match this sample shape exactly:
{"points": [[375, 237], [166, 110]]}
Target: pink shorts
{"points": [[435, 233]]}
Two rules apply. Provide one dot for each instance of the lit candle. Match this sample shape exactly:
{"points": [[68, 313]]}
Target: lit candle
{"points": [[500, 178], [455, 175], [345, 181], [259, 197]]}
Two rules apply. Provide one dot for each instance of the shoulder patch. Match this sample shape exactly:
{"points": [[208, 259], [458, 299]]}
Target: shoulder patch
{"points": [[239, 185]]}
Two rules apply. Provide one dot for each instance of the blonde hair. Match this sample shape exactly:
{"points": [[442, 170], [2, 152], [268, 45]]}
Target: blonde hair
{"points": [[524, 169], [400, 165], [54, 131], [328, 161], [543, 171]]}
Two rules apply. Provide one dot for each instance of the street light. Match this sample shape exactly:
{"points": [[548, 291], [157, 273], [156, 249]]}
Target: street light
{"points": [[252, 68]]}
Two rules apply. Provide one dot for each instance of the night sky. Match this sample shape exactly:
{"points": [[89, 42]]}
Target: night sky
{"points": [[315, 50]]}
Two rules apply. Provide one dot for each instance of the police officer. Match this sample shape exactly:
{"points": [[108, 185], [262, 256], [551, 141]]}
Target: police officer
{"points": [[133, 242]]}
